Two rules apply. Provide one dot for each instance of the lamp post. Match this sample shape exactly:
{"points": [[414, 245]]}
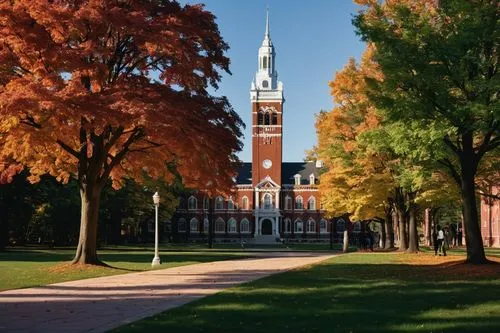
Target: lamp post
{"points": [[156, 201]]}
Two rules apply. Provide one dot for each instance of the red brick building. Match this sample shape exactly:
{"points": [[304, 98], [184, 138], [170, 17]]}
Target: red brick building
{"points": [[490, 218], [273, 199]]}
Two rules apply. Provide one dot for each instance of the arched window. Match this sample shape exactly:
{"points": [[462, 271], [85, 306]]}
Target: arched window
{"points": [[299, 202], [265, 63], [260, 118], [268, 201], [288, 202], [311, 203], [193, 225], [244, 203], [340, 225], [230, 204], [244, 226], [206, 225], [192, 203], [219, 203], [231, 226], [181, 225], [288, 225], [265, 84], [311, 226], [267, 118], [299, 226], [220, 226], [274, 119], [323, 227], [356, 227]]}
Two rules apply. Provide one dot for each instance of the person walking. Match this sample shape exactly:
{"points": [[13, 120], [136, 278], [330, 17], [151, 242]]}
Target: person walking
{"points": [[440, 239], [435, 241]]}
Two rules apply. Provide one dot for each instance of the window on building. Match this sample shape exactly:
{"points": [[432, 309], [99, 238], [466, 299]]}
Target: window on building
{"points": [[311, 226], [245, 226], [231, 226], [181, 225], [311, 203], [230, 204], [205, 203], [219, 203], [265, 63], [356, 227], [340, 225], [288, 225], [297, 179], [275, 118], [220, 226], [299, 202], [206, 225], [193, 225], [288, 203], [267, 118], [268, 201], [192, 203], [244, 203], [312, 179], [323, 226], [265, 84], [260, 120], [299, 226]]}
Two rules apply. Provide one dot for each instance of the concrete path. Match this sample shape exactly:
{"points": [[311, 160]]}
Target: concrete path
{"points": [[100, 304]]}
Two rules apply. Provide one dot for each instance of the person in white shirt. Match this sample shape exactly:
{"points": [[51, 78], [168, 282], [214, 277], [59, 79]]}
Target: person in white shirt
{"points": [[440, 239]]}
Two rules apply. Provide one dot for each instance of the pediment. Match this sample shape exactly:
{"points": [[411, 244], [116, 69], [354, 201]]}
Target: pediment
{"points": [[267, 183]]}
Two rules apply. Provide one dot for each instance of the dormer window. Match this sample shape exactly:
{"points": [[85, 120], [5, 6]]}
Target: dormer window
{"points": [[297, 179], [312, 179]]}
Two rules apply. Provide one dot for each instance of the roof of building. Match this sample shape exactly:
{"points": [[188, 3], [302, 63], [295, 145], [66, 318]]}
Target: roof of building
{"points": [[288, 172]]}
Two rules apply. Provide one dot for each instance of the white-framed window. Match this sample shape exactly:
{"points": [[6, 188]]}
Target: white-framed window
{"points": [[205, 203], [288, 225], [356, 227], [311, 203], [219, 203], [311, 226], [298, 226], [231, 226], [245, 226], [312, 179], [193, 225], [297, 179], [230, 204], [206, 225], [244, 203], [192, 203], [181, 225], [220, 226], [340, 225], [288, 202], [299, 202], [267, 201], [323, 226]]}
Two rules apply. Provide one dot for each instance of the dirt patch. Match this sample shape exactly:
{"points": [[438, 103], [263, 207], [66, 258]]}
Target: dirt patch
{"points": [[452, 266], [68, 267]]}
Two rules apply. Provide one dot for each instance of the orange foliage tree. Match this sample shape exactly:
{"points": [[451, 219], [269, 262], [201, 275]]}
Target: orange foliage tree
{"points": [[110, 89]]}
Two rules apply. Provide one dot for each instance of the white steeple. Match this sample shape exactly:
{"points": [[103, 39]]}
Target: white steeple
{"points": [[266, 78]]}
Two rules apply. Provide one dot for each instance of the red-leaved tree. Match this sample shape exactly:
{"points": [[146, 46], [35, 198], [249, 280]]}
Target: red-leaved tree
{"points": [[110, 89]]}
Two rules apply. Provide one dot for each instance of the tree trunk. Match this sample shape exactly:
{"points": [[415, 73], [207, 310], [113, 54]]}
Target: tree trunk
{"points": [[86, 252], [428, 227], [473, 240], [403, 245], [383, 235], [389, 231], [345, 246], [413, 232]]}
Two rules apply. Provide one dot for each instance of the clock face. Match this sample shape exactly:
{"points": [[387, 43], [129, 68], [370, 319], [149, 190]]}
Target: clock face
{"points": [[267, 164]]}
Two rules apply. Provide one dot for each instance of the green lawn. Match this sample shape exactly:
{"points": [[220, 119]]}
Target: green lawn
{"points": [[21, 268], [357, 292]]}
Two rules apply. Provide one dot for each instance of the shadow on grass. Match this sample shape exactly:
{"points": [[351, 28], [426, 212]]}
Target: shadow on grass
{"points": [[344, 297]]}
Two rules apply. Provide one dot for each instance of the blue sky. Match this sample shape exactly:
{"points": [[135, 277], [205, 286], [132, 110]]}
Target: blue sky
{"points": [[313, 39]]}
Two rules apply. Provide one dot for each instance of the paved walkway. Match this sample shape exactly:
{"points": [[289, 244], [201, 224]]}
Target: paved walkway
{"points": [[100, 304]]}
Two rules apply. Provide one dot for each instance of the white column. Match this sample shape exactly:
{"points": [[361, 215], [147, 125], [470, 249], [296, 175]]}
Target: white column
{"points": [[257, 226], [278, 200], [256, 199]]}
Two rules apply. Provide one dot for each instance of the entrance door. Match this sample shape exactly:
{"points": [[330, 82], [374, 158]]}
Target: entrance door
{"points": [[267, 227]]}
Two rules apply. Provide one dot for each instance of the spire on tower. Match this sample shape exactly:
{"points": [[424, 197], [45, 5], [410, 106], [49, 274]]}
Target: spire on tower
{"points": [[267, 22]]}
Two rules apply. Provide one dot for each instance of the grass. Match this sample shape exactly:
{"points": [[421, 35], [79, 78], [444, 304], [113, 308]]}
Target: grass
{"points": [[357, 292], [31, 267]]}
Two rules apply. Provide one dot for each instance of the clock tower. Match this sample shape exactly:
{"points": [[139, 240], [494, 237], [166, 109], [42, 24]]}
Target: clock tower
{"points": [[266, 95]]}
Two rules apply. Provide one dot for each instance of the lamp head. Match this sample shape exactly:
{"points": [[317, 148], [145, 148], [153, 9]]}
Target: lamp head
{"points": [[156, 199]]}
